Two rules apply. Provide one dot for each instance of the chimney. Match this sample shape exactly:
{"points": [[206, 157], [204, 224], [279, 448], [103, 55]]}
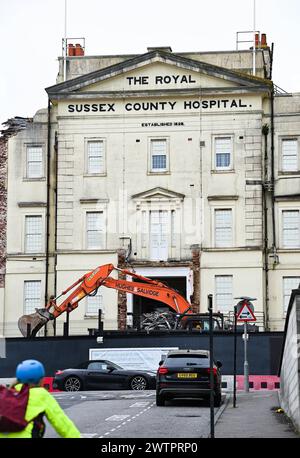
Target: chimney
{"points": [[264, 40], [79, 51], [71, 50], [160, 48], [257, 43]]}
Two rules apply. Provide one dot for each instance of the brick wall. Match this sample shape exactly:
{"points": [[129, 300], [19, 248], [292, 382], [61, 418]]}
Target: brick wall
{"points": [[3, 207]]}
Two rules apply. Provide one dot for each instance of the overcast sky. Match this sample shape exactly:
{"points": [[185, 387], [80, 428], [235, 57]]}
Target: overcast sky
{"points": [[31, 32]]}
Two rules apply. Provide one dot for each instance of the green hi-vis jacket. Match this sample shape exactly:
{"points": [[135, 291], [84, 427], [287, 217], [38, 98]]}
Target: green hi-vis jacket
{"points": [[40, 401]]}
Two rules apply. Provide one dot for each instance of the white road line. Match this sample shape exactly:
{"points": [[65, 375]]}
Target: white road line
{"points": [[140, 404], [117, 417], [88, 435]]}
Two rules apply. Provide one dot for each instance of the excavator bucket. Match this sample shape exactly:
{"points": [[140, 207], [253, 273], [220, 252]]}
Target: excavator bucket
{"points": [[29, 325]]}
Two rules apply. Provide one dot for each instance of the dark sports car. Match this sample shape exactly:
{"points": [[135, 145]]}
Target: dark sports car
{"points": [[103, 375]]}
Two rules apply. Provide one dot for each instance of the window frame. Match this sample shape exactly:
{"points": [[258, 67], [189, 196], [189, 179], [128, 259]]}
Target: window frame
{"points": [[215, 209], [26, 174], [167, 233], [281, 165], [216, 293], [89, 313], [287, 277], [38, 305], [150, 155], [41, 217], [230, 167], [282, 244], [100, 248], [88, 140]]}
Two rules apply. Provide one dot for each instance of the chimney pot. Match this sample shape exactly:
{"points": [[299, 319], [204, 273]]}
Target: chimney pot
{"points": [[71, 50]]}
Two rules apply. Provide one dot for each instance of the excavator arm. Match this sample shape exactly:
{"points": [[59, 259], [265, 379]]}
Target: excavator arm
{"points": [[89, 283]]}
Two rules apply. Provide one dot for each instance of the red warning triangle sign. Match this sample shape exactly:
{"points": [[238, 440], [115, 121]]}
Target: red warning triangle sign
{"points": [[245, 313]]}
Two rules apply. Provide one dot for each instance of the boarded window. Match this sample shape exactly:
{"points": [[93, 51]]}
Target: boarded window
{"points": [[223, 227], [95, 230], [289, 155], [34, 162], [291, 229], [33, 234], [32, 296], [223, 293]]}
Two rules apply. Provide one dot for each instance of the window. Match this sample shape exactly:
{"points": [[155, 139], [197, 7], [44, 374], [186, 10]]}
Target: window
{"points": [[94, 303], [291, 228], [34, 162], [158, 155], [32, 296], [289, 283], [289, 150], [223, 153], [223, 293], [223, 227], [33, 234], [95, 230], [159, 235], [95, 157]]}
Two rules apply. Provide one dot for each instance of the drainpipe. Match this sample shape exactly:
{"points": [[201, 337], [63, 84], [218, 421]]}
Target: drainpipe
{"points": [[273, 174], [265, 132], [48, 205], [275, 261], [55, 224]]}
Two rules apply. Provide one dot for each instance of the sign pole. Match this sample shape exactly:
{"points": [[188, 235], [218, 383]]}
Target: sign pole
{"points": [[245, 313], [234, 356], [211, 372], [246, 365]]}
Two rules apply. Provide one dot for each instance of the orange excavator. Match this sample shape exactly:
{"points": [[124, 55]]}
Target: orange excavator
{"points": [[87, 285]]}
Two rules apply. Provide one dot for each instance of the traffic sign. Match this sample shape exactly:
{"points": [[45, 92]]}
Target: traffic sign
{"points": [[245, 313]]}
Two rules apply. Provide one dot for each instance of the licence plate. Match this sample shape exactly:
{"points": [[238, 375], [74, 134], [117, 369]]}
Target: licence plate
{"points": [[186, 375]]}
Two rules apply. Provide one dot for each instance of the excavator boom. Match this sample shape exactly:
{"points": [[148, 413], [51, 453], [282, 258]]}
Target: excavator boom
{"points": [[88, 284]]}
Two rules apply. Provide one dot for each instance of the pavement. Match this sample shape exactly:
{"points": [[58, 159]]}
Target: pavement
{"points": [[255, 416]]}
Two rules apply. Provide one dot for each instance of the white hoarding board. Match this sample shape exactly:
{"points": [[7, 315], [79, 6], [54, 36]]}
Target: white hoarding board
{"points": [[132, 358]]}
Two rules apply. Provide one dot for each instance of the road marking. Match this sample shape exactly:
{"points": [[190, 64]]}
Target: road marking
{"points": [[140, 404], [88, 435], [117, 417]]}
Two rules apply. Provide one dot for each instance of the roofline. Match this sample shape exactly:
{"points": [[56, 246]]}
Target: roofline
{"points": [[183, 53], [120, 66], [159, 92]]}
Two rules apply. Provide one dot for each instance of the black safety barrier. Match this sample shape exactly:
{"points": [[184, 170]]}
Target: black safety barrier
{"points": [[62, 352]]}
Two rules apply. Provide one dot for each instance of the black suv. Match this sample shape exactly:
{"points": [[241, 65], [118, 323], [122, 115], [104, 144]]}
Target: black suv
{"points": [[186, 374]]}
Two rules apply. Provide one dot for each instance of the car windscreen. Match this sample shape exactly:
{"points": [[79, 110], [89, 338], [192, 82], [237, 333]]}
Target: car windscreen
{"points": [[186, 360]]}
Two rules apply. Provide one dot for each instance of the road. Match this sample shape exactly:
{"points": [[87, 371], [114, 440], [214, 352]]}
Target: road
{"points": [[128, 414]]}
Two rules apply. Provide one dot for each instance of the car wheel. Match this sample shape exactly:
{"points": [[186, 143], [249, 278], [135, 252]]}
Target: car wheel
{"points": [[72, 384], [160, 400], [138, 382]]}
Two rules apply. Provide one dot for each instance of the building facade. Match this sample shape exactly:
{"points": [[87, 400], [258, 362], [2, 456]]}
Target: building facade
{"points": [[180, 166]]}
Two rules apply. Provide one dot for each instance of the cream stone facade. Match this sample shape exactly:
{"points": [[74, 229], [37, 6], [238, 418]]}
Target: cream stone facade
{"points": [[180, 166]]}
